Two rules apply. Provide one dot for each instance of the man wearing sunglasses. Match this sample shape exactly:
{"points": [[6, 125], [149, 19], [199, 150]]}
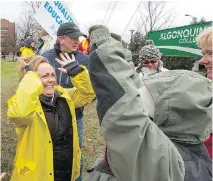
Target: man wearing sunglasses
{"points": [[150, 62]]}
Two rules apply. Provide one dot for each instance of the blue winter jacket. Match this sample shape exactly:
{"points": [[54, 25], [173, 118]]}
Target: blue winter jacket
{"points": [[62, 78]]}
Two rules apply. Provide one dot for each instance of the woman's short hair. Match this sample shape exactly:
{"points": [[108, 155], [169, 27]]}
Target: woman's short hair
{"points": [[204, 39], [32, 60]]}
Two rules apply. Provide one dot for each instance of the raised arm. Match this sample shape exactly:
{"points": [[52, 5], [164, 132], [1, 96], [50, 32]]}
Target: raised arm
{"points": [[137, 149], [82, 93], [22, 106]]}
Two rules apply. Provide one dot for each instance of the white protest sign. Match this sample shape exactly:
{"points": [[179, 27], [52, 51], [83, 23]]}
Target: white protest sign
{"points": [[51, 14]]}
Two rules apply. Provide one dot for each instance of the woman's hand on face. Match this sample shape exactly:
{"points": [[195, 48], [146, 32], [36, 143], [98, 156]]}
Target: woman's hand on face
{"points": [[22, 63], [65, 60], [2, 175]]}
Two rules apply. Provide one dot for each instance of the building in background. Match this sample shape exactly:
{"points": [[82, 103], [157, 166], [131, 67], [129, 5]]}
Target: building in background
{"points": [[8, 38]]}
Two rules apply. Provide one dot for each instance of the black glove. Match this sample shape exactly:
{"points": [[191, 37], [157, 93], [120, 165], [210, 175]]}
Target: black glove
{"points": [[73, 68], [29, 68]]}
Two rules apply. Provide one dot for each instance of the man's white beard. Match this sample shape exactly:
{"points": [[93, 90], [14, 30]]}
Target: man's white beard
{"points": [[148, 71]]}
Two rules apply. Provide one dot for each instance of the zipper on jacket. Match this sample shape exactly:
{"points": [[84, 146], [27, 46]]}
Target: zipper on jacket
{"points": [[60, 77]]}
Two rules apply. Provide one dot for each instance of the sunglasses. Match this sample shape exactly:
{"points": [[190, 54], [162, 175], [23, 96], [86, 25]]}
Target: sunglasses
{"points": [[150, 61]]}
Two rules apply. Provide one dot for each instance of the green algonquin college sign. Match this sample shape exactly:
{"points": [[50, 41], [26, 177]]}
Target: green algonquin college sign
{"points": [[179, 41]]}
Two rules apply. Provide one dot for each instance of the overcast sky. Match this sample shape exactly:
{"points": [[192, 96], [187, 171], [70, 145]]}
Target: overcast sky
{"points": [[93, 12]]}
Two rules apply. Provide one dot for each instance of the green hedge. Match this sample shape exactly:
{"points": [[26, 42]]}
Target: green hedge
{"points": [[174, 63], [135, 59]]}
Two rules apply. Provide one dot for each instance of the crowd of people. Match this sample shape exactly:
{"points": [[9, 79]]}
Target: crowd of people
{"points": [[156, 123]]}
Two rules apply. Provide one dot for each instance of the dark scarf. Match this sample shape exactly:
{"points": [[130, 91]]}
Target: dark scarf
{"points": [[50, 101], [58, 50]]}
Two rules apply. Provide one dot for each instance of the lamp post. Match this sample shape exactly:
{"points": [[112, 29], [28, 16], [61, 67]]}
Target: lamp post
{"points": [[131, 38], [194, 19], [189, 15]]}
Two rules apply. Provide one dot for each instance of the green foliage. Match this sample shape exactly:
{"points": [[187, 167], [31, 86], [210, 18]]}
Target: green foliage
{"points": [[125, 45], [135, 59], [138, 41], [174, 63]]}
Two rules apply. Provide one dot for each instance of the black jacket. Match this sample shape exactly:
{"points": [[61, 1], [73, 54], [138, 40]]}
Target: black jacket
{"points": [[59, 122]]}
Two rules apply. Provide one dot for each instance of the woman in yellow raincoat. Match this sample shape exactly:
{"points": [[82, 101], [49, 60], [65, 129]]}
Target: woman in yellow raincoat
{"points": [[44, 113], [28, 48]]}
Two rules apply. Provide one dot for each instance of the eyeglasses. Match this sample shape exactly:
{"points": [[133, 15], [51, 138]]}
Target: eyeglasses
{"points": [[149, 61]]}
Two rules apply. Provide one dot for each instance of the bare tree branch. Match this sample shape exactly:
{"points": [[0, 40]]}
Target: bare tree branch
{"points": [[32, 5], [161, 8], [172, 19], [144, 5], [27, 24], [160, 12], [143, 21], [168, 20], [150, 14], [156, 16]]}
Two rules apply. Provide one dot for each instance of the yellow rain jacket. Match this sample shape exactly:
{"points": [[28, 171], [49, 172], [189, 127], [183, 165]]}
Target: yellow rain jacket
{"points": [[25, 51], [34, 154]]}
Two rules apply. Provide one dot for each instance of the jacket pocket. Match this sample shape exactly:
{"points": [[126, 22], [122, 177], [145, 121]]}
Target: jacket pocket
{"points": [[24, 167], [24, 160]]}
